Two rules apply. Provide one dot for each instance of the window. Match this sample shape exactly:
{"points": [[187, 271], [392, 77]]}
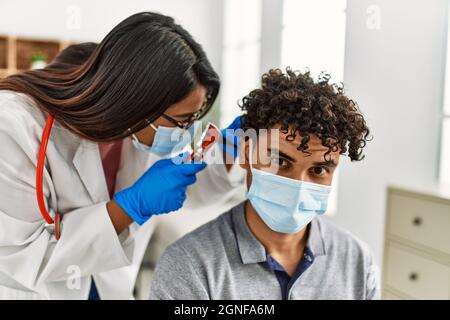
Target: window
{"points": [[444, 172], [241, 56], [313, 38]]}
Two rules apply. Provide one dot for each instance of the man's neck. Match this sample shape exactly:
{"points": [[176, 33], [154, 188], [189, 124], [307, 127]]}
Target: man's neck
{"points": [[287, 249]]}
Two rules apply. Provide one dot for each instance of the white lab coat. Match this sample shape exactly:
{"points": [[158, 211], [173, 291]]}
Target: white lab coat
{"points": [[33, 265]]}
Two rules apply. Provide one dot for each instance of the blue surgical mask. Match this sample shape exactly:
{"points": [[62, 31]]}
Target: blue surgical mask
{"points": [[286, 205], [167, 140]]}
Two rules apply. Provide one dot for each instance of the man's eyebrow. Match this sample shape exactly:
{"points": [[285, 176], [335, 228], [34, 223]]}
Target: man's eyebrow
{"points": [[281, 153], [328, 163]]}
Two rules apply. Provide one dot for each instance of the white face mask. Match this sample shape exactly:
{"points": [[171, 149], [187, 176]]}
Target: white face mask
{"points": [[167, 140], [286, 205]]}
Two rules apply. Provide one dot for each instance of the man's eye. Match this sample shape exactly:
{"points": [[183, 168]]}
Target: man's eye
{"points": [[280, 162], [319, 171]]}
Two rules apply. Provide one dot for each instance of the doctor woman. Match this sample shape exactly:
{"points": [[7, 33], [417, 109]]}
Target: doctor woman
{"points": [[79, 229]]}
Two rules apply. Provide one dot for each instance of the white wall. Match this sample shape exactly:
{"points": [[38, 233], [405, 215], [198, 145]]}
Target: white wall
{"points": [[395, 73], [57, 19]]}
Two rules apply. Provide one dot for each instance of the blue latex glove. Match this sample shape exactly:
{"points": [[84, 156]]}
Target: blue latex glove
{"points": [[161, 189], [230, 139]]}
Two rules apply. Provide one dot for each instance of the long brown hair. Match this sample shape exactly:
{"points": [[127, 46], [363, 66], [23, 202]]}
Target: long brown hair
{"points": [[143, 66]]}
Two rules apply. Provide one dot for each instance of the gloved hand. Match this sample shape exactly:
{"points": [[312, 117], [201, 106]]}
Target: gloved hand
{"points": [[230, 139], [161, 189]]}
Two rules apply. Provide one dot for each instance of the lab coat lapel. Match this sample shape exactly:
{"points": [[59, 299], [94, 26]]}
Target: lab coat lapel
{"points": [[89, 166]]}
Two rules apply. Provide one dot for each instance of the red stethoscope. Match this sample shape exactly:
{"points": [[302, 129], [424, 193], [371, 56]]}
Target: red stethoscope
{"points": [[54, 224]]}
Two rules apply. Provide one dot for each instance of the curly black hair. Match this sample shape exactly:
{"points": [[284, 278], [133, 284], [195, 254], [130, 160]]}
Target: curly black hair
{"points": [[302, 106]]}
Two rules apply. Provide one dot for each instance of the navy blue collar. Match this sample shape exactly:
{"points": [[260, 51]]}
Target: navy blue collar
{"points": [[252, 251]]}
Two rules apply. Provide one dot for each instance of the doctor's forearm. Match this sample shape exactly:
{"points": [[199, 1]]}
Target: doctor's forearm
{"points": [[119, 218]]}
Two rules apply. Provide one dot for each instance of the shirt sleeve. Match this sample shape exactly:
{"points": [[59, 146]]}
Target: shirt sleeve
{"points": [[176, 278], [373, 290]]}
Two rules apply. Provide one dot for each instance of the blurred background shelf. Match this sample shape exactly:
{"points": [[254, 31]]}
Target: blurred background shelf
{"points": [[16, 53], [3, 53]]}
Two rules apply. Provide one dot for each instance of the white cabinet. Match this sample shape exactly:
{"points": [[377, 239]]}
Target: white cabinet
{"points": [[417, 245]]}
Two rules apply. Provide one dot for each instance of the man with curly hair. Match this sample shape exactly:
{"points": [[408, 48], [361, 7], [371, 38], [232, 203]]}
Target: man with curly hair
{"points": [[274, 245]]}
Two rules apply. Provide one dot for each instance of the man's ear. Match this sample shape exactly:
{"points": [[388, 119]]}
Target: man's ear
{"points": [[243, 152]]}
